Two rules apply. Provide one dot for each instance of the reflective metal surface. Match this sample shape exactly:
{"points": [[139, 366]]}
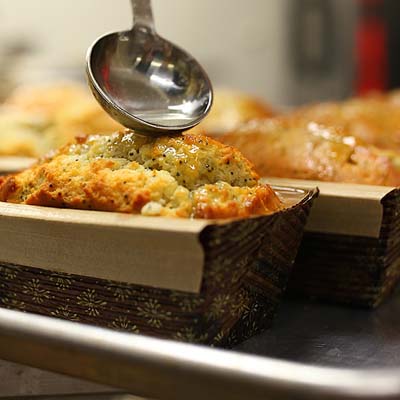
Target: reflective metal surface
{"points": [[145, 82], [170, 370], [20, 381], [332, 335]]}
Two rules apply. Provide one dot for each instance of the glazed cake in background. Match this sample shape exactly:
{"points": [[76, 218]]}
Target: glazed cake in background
{"points": [[375, 119], [294, 148], [351, 142]]}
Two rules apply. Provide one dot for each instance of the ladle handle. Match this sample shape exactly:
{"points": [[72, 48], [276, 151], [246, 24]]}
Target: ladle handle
{"points": [[142, 14]]}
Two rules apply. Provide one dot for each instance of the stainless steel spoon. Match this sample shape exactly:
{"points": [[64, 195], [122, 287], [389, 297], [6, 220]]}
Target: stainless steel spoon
{"points": [[145, 82]]}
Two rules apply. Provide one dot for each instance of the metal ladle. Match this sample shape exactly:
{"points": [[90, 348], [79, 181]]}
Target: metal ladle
{"points": [[144, 81]]}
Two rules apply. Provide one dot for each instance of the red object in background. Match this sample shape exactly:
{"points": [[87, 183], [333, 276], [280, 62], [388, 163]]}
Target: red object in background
{"points": [[371, 48]]}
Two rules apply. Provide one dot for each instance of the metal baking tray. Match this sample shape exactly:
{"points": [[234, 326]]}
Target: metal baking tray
{"points": [[313, 351]]}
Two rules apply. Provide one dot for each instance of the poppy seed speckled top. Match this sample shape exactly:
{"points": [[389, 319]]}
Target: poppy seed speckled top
{"points": [[181, 176]]}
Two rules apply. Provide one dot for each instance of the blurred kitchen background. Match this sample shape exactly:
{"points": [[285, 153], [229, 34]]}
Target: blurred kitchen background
{"points": [[285, 51]]}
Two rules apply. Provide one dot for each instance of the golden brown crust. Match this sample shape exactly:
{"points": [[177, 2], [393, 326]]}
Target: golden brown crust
{"points": [[182, 176], [240, 202], [291, 148]]}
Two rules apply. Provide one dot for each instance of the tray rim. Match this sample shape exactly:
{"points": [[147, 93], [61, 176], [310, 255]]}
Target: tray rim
{"points": [[94, 354]]}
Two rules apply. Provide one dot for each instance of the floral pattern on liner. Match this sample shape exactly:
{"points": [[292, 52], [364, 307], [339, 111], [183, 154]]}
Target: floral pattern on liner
{"points": [[247, 265]]}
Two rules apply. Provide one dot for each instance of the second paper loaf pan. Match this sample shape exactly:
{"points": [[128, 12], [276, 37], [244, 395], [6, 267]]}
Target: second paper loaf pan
{"points": [[350, 252]]}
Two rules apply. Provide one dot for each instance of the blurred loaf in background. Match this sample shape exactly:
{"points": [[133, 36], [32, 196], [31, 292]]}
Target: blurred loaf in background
{"points": [[374, 118], [36, 119], [353, 141], [230, 109], [292, 148]]}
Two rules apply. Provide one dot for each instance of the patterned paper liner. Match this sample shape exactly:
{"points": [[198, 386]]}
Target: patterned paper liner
{"points": [[350, 269], [246, 269]]}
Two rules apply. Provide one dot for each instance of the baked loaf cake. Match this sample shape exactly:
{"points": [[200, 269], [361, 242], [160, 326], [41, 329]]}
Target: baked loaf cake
{"points": [[375, 119], [230, 109], [35, 119], [180, 176], [295, 148]]}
